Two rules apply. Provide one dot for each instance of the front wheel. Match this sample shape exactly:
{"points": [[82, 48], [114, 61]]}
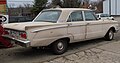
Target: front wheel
{"points": [[110, 35], [59, 47]]}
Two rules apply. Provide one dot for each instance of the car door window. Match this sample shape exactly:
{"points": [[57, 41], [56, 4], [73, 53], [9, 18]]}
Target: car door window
{"points": [[89, 16], [75, 16]]}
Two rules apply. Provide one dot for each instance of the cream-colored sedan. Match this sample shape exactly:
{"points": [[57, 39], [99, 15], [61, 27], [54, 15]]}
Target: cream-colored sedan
{"points": [[60, 26]]}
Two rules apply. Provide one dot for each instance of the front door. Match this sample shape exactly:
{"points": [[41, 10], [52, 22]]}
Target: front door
{"points": [[93, 26]]}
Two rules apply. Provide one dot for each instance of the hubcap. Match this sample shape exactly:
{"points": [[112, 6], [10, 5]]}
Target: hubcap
{"points": [[60, 46], [110, 35]]}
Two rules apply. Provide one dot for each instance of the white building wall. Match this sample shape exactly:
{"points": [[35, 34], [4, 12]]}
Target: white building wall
{"points": [[106, 7], [115, 7], [118, 7]]}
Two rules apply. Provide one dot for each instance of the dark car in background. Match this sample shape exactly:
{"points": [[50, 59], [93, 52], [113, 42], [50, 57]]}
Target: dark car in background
{"points": [[16, 19]]}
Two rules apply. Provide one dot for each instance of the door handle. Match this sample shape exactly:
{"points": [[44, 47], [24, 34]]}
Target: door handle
{"points": [[70, 24]]}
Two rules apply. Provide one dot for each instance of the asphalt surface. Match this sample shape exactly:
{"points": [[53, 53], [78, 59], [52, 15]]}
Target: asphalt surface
{"points": [[20, 54], [106, 53]]}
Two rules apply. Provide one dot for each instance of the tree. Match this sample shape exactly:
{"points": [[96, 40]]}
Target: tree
{"points": [[27, 5], [38, 6], [55, 2], [70, 3], [84, 3]]}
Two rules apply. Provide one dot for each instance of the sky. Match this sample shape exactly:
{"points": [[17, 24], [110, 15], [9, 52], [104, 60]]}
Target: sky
{"points": [[16, 3]]}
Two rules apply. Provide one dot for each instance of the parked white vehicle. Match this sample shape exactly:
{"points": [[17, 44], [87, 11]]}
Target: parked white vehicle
{"points": [[104, 16], [60, 26]]}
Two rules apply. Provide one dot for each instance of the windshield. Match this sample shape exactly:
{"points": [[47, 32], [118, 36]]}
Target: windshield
{"points": [[48, 16]]}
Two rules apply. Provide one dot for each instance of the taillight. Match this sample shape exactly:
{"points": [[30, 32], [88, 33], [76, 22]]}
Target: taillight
{"points": [[23, 35]]}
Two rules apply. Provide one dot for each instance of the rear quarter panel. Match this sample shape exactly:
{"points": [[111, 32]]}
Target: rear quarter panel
{"points": [[43, 36]]}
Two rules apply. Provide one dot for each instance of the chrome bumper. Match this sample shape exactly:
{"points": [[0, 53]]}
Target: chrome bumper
{"points": [[18, 42]]}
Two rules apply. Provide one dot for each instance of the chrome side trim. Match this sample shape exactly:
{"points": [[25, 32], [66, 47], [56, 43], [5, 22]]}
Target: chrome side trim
{"points": [[49, 28]]}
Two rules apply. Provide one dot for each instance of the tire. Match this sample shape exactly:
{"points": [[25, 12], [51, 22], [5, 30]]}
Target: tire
{"points": [[59, 47], [110, 35]]}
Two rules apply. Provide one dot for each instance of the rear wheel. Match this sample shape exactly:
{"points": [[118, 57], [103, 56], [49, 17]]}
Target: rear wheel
{"points": [[59, 47], [110, 35]]}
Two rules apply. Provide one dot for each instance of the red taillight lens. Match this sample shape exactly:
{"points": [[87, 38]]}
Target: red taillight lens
{"points": [[23, 35]]}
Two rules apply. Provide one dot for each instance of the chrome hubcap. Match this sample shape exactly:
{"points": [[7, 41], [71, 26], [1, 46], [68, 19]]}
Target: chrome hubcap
{"points": [[111, 35], [60, 46]]}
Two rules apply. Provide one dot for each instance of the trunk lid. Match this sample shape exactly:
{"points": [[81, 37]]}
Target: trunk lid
{"points": [[22, 26]]}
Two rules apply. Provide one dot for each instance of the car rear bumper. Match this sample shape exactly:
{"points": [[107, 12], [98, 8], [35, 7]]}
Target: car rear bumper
{"points": [[18, 42]]}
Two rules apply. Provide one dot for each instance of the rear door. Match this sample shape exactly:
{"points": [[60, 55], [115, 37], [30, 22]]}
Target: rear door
{"points": [[76, 25]]}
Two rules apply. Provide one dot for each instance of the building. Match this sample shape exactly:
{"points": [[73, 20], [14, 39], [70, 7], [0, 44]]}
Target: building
{"points": [[111, 7], [3, 9]]}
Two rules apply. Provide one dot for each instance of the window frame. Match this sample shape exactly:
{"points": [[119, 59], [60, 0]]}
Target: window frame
{"points": [[35, 20], [91, 13], [78, 20]]}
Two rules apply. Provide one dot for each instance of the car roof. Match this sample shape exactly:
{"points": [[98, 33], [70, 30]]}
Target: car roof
{"points": [[68, 9]]}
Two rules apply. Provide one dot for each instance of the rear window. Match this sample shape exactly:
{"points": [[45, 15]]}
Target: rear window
{"points": [[48, 16]]}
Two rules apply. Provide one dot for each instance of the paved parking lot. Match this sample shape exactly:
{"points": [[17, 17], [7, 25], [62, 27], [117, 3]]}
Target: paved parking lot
{"points": [[107, 53]]}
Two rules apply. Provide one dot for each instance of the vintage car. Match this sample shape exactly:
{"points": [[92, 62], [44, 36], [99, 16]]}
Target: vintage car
{"points": [[58, 27]]}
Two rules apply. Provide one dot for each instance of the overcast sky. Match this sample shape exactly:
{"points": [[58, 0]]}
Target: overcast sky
{"points": [[16, 3]]}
